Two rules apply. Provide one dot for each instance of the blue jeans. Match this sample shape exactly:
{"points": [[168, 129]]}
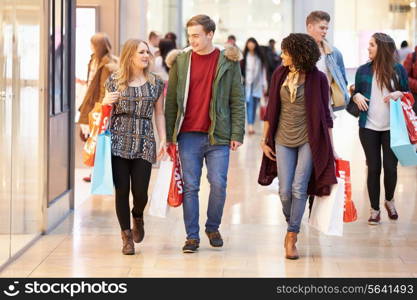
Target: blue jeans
{"points": [[193, 148], [295, 166], [251, 106]]}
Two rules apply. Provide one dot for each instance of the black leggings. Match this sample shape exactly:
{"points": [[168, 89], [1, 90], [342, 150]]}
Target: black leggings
{"points": [[372, 141], [139, 172]]}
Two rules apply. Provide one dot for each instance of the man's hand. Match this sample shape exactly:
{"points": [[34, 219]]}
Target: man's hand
{"points": [[234, 145]]}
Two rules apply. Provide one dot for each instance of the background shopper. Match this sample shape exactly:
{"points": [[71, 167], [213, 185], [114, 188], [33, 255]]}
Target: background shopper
{"points": [[253, 66], [102, 64]]}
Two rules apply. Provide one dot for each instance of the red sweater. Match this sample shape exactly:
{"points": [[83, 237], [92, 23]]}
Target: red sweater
{"points": [[411, 69], [203, 72]]}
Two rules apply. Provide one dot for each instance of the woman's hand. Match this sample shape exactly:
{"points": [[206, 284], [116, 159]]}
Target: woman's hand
{"points": [[268, 151], [111, 98], [394, 95], [162, 149], [361, 101]]}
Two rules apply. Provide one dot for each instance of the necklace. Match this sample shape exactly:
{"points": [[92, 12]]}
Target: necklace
{"points": [[137, 82]]}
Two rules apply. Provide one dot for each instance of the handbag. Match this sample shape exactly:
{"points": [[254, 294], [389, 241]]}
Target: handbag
{"points": [[353, 108], [338, 99], [102, 175], [400, 141]]}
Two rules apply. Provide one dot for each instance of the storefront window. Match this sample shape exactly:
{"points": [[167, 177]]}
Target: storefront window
{"points": [[355, 21], [162, 16], [262, 20]]}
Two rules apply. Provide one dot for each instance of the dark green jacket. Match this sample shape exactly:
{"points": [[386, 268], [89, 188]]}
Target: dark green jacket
{"points": [[363, 85], [227, 106]]}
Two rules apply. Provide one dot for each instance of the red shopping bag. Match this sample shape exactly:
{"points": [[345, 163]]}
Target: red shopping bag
{"points": [[98, 120], [407, 102], [262, 109], [175, 194], [343, 171]]}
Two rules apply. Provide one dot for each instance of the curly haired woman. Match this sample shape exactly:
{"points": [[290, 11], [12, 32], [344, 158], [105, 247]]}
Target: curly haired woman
{"points": [[297, 133]]}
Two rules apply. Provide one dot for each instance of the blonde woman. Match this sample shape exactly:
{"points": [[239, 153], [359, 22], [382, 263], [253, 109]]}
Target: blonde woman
{"points": [[102, 64], [135, 94]]}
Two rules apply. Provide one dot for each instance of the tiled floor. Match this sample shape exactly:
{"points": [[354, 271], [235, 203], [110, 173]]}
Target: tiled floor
{"points": [[88, 243]]}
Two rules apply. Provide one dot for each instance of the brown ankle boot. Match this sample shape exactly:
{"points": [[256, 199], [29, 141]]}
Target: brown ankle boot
{"points": [[128, 246], [138, 230], [290, 249]]}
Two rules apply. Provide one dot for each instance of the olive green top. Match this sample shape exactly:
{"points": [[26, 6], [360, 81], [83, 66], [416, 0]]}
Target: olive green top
{"points": [[292, 127]]}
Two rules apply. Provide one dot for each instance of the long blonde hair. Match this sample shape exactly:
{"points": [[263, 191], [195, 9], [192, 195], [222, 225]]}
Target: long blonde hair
{"points": [[124, 74], [101, 44]]}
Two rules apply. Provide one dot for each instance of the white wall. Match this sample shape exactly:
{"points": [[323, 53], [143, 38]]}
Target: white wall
{"points": [[133, 23]]}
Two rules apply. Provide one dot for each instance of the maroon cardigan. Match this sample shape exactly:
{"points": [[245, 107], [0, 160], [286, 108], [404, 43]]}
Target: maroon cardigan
{"points": [[316, 93]]}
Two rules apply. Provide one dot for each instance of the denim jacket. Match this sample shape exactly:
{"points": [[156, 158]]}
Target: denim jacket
{"points": [[334, 62]]}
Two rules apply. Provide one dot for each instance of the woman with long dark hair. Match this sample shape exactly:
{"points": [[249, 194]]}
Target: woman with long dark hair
{"points": [[376, 82], [161, 68], [173, 37], [296, 140], [253, 66]]}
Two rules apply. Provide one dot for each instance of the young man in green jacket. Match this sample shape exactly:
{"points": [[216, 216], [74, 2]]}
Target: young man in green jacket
{"points": [[205, 115]]}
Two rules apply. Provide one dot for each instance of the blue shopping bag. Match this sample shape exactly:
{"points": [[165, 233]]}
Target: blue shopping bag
{"points": [[400, 141], [102, 176]]}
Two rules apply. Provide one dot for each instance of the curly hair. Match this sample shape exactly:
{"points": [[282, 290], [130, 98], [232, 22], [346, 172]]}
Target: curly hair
{"points": [[303, 50]]}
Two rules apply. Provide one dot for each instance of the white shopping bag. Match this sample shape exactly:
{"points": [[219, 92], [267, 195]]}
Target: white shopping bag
{"points": [[159, 200], [327, 212]]}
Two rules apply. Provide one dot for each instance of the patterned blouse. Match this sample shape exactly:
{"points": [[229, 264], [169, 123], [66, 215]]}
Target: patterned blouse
{"points": [[131, 127]]}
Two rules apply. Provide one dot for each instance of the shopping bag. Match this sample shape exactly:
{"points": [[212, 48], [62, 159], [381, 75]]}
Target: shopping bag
{"points": [[98, 120], [159, 200], [327, 211], [343, 172], [175, 194], [262, 108], [407, 102], [102, 176], [400, 141]]}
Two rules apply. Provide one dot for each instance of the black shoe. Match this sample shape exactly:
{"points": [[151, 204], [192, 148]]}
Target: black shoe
{"points": [[215, 239], [191, 246]]}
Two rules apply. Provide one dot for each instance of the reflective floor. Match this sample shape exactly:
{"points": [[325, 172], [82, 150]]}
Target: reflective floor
{"points": [[88, 243]]}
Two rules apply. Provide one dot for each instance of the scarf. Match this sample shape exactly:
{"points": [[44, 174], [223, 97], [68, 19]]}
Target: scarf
{"points": [[292, 83]]}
